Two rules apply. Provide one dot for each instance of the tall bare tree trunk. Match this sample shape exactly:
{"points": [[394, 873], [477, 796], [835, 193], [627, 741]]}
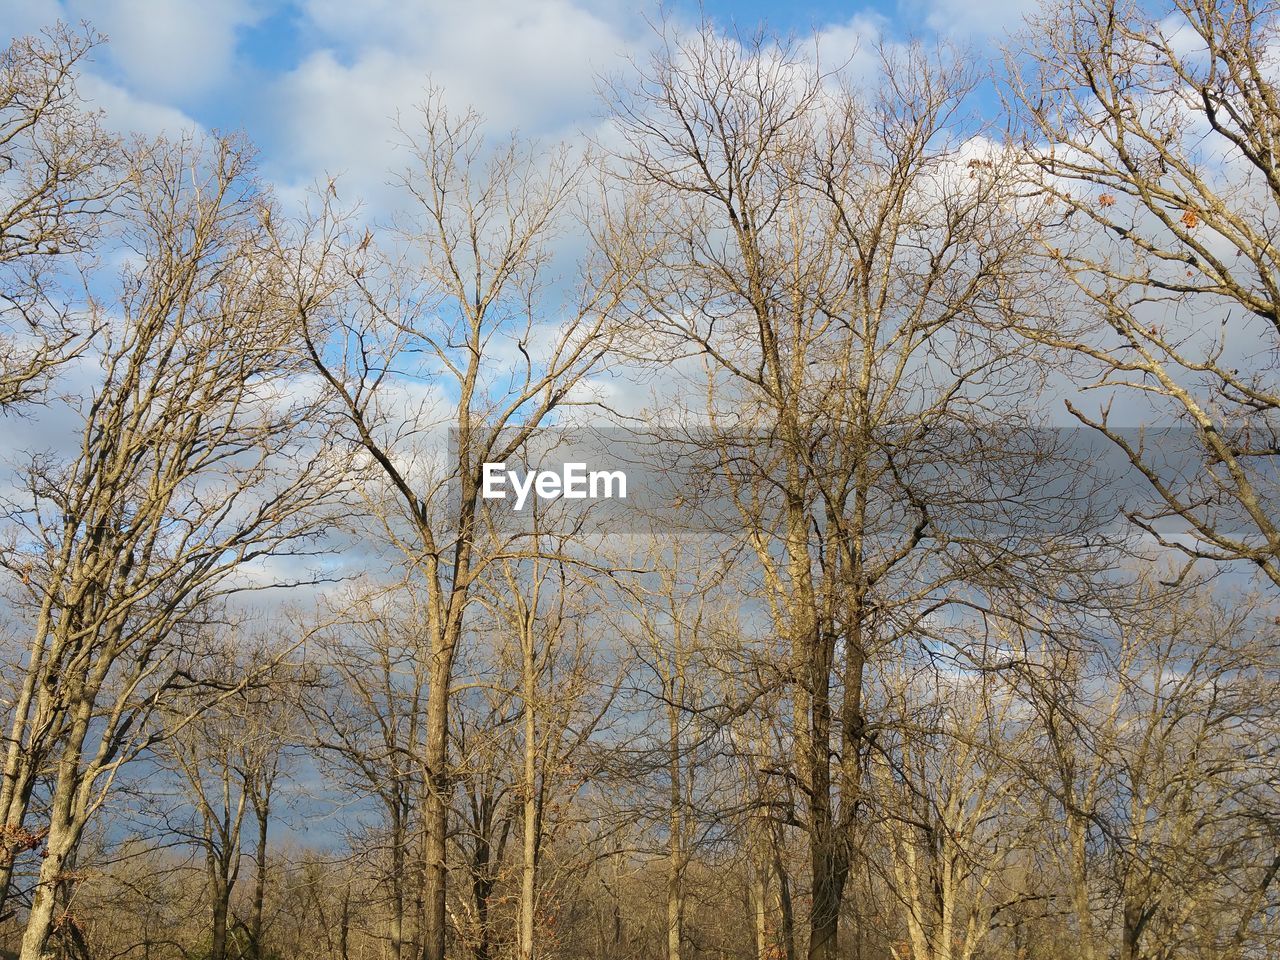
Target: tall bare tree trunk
{"points": [[218, 941], [458, 324], [1080, 899], [676, 854], [66, 824], [759, 899], [18, 780], [262, 811], [435, 814], [397, 840], [529, 793], [786, 914]]}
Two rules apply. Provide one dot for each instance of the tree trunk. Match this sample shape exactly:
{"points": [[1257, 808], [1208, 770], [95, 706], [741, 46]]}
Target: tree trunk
{"points": [[15, 839], [397, 882], [529, 853], [1080, 885], [760, 907], [785, 911], [1131, 944], [824, 922], [220, 886], [35, 937], [218, 947], [18, 780], [675, 904], [828, 861], [852, 720], [436, 812], [66, 823], [676, 852], [262, 809], [482, 893], [344, 932]]}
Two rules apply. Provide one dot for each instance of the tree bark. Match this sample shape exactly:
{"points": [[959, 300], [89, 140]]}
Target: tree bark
{"points": [[529, 793], [262, 810], [66, 824], [436, 812], [218, 944]]}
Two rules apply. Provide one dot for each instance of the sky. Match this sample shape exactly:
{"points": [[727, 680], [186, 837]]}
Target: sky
{"points": [[317, 84]]}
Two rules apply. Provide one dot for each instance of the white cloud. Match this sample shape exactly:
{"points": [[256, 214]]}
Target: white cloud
{"points": [[170, 49], [126, 113], [524, 65], [341, 119], [977, 18], [162, 51], [851, 46]]}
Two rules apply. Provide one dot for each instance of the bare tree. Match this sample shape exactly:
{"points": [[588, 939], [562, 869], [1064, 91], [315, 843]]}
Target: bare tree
{"points": [[229, 759], [543, 606], [367, 724], [192, 463], [58, 172], [955, 814], [1151, 132], [892, 696], [671, 620], [1156, 744], [486, 750], [846, 273], [468, 312]]}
